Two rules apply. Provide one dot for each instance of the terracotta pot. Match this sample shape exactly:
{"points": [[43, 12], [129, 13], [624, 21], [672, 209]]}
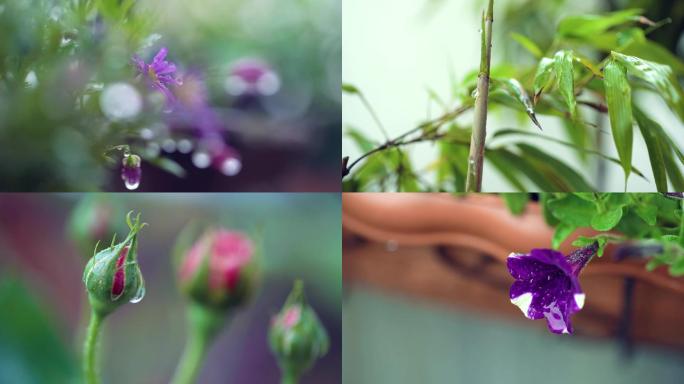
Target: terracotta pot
{"points": [[454, 249]]}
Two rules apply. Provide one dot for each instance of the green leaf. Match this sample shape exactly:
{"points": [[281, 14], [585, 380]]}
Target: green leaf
{"points": [[168, 165], [658, 76], [507, 132], [607, 220], [514, 89], [509, 173], [565, 79], [573, 210], [528, 44], [565, 177], [649, 213], [589, 26], [563, 230], [516, 202], [619, 100], [365, 144], [544, 77], [650, 131], [602, 240], [350, 89]]}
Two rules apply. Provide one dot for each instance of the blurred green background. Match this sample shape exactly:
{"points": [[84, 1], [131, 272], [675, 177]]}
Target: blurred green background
{"points": [[41, 293], [394, 339], [55, 64]]}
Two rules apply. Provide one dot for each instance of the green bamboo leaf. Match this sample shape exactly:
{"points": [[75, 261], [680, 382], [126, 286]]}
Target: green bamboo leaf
{"points": [[588, 64], [508, 132], [509, 173], [350, 89], [565, 177], [522, 165], [650, 131], [590, 26], [364, 143], [619, 100], [658, 76], [673, 172], [565, 79], [544, 77], [528, 44], [514, 89]]}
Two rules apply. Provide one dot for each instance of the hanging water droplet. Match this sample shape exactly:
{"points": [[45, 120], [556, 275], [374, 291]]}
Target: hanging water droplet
{"points": [[131, 185], [139, 295]]}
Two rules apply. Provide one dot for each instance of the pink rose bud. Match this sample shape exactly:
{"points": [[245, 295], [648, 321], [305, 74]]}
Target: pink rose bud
{"points": [[219, 269]]}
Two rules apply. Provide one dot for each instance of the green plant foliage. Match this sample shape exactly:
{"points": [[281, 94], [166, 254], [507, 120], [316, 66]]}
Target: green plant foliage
{"points": [[619, 100]]}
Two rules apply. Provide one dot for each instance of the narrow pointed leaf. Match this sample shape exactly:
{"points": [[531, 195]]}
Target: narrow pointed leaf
{"points": [[658, 76], [544, 77], [589, 26], [516, 90], [555, 169], [619, 100], [565, 79], [650, 131], [528, 44]]}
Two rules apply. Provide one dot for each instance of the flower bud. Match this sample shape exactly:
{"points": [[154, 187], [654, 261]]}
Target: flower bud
{"points": [[112, 277], [219, 270], [131, 173], [297, 336], [91, 221]]}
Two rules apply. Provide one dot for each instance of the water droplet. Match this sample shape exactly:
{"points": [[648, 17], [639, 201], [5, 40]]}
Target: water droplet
{"points": [[131, 185], [231, 166], [139, 295], [169, 145], [201, 159], [120, 101], [184, 146]]}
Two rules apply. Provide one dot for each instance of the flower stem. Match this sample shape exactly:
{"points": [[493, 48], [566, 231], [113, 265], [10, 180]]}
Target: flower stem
{"points": [[477, 140], [289, 377], [203, 324], [89, 349]]}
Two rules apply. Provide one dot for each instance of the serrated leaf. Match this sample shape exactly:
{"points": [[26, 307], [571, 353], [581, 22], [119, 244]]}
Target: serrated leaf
{"points": [[573, 210], [565, 79], [544, 77], [514, 89], [619, 100], [658, 76], [650, 131], [590, 26], [528, 44]]}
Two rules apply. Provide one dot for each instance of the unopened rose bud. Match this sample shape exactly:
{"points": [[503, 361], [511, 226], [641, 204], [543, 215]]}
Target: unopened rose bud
{"points": [[296, 336], [112, 277], [93, 220], [219, 270], [131, 172]]}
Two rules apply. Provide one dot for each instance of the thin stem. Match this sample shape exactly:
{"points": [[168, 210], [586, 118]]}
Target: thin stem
{"points": [[203, 324], [289, 377], [90, 349], [427, 134], [477, 141], [374, 115]]}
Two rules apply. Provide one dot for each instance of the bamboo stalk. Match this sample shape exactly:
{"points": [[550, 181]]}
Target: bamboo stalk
{"points": [[477, 141]]}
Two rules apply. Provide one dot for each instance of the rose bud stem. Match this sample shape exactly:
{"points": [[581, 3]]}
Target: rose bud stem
{"points": [[217, 272], [112, 278], [203, 325]]}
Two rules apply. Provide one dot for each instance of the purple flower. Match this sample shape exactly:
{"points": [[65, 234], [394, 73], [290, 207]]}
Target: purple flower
{"points": [[159, 73], [547, 285], [131, 173]]}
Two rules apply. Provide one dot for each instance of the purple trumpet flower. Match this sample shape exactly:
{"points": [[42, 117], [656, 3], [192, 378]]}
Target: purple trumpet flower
{"points": [[547, 284], [159, 73]]}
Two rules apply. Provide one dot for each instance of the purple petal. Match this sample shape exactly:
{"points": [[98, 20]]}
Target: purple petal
{"points": [[525, 267], [139, 63], [160, 56]]}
